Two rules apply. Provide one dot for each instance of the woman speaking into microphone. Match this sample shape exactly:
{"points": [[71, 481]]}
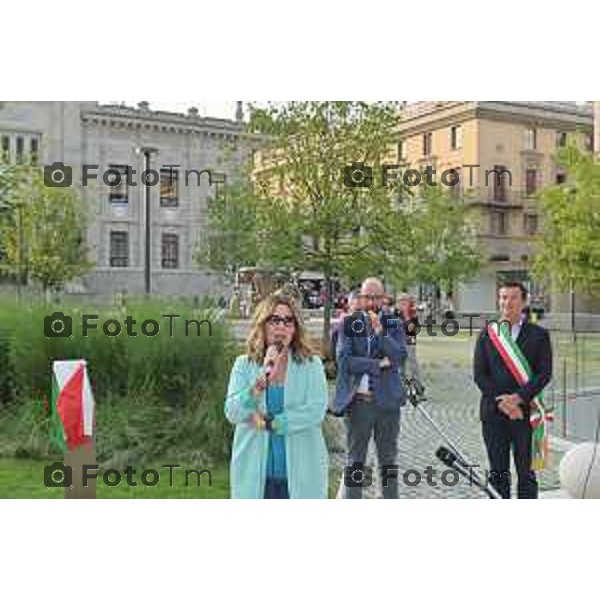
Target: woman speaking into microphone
{"points": [[277, 399]]}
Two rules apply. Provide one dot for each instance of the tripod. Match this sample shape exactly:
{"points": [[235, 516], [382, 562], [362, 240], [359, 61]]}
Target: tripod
{"points": [[451, 456]]}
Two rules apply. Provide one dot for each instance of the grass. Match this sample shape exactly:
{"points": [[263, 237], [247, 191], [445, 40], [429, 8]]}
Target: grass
{"points": [[25, 479]]}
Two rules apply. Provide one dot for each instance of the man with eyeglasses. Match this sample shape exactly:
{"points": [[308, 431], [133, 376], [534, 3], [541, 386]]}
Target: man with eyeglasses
{"points": [[369, 390]]}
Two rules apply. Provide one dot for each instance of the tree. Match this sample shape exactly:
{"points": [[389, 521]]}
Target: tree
{"points": [[43, 229], [230, 242], [322, 205], [445, 246], [306, 206], [568, 252]]}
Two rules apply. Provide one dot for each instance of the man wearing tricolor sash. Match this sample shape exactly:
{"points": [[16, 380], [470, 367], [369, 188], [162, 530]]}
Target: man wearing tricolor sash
{"points": [[512, 366]]}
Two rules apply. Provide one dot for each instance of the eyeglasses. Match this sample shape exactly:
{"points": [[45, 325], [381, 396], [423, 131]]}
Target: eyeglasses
{"points": [[277, 320], [370, 296]]}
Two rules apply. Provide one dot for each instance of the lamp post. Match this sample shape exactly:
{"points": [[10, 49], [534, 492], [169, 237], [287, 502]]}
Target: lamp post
{"points": [[147, 153]]}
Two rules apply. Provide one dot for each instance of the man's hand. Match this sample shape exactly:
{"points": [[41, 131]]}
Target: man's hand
{"points": [[510, 405], [376, 323], [385, 363]]}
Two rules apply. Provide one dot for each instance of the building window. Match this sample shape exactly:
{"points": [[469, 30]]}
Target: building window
{"points": [[169, 188], [561, 139], [498, 222], [530, 182], [20, 147], [402, 154], [499, 179], [530, 139], [34, 151], [456, 137], [119, 249], [530, 224], [170, 251], [427, 144], [119, 190], [5, 148], [561, 177]]}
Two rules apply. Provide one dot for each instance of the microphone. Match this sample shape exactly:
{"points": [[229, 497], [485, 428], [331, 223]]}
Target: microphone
{"points": [[418, 386], [271, 363], [450, 459], [446, 456]]}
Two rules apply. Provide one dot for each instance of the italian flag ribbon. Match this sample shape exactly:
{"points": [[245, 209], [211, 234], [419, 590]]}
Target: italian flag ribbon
{"points": [[517, 364], [72, 404]]}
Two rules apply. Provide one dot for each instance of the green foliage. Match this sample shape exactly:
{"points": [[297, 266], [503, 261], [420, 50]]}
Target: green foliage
{"points": [[569, 250], [42, 228], [156, 396], [445, 249], [300, 213]]}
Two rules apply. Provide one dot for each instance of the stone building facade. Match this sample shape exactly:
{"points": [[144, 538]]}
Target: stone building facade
{"points": [[521, 138], [202, 152]]}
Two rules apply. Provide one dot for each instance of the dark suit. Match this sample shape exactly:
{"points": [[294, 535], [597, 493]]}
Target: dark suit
{"points": [[500, 433]]}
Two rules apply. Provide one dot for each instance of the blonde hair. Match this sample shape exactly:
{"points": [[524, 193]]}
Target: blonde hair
{"points": [[256, 343]]}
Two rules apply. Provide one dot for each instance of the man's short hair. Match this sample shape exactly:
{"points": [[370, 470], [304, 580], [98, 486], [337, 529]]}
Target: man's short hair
{"points": [[372, 282], [515, 284]]}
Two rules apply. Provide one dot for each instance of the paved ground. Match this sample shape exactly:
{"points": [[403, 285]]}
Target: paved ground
{"points": [[454, 404]]}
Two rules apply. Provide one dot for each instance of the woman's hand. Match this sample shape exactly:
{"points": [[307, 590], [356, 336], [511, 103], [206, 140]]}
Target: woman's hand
{"points": [[279, 367], [260, 385], [257, 421]]}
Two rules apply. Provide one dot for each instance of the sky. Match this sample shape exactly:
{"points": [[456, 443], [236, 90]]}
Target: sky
{"points": [[223, 109]]}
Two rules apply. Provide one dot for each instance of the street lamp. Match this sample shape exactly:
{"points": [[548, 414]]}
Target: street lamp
{"points": [[147, 152]]}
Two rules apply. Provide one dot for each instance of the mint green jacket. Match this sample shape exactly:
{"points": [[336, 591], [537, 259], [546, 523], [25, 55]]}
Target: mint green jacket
{"points": [[305, 404]]}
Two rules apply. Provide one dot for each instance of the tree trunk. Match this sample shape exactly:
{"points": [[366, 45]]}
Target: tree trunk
{"points": [[327, 312]]}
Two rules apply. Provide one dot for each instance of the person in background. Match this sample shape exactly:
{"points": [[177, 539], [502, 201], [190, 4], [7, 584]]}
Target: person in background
{"points": [[387, 304], [407, 310], [337, 325], [277, 399]]}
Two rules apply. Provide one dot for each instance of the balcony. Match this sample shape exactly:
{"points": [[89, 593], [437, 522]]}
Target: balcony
{"points": [[490, 197]]}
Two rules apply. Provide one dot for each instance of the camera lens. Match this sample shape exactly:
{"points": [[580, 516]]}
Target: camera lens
{"points": [[57, 476], [57, 179], [360, 479], [358, 176], [60, 328], [362, 326]]}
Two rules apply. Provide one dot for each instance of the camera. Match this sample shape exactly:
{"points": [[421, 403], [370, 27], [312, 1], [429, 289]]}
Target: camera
{"points": [[58, 325], [357, 175], [358, 325], [57, 475], [358, 475], [57, 175]]}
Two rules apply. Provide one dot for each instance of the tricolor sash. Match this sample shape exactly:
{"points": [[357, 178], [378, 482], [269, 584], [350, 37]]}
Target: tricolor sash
{"points": [[517, 364]]}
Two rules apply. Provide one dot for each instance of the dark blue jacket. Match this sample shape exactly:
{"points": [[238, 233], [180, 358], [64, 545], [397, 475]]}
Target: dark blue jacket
{"points": [[354, 360]]}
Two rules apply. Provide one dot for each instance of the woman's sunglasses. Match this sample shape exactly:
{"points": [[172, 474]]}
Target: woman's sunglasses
{"points": [[277, 320]]}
